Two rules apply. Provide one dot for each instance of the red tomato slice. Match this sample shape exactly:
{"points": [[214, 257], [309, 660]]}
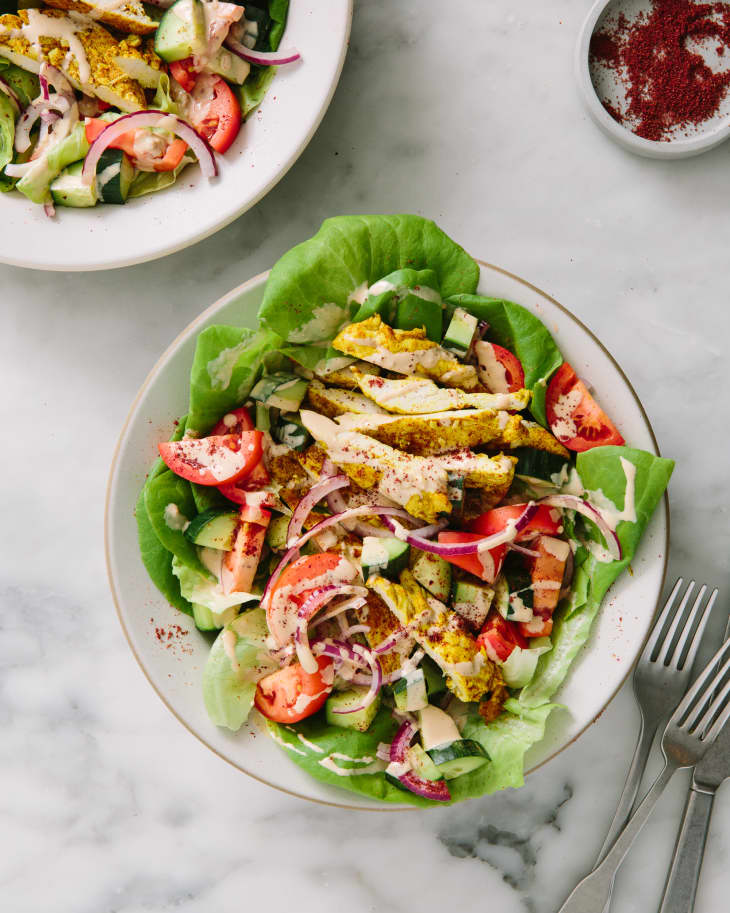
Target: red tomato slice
{"points": [[235, 422], [545, 520], [499, 637], [239, 565], [575, 418], [500, 370], [221, 121], [547, 573], [291, 694], [472, 563], [169, 162], [213, 460], [256, 479], [538, 627], [182, 73]]}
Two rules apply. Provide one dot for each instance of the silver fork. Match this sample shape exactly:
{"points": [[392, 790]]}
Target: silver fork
{"points": [[690, 732], [661, 677]]}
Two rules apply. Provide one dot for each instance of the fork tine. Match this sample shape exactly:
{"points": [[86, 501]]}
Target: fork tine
{"points": [[700, 694], [661, 621], [678, 660], [717, 705], [678, 615], [720, 722]]}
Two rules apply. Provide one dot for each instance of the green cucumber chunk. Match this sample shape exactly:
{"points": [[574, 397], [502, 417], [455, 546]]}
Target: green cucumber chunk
{"points": [[290, 431], [263, 417], [207, 620], [422, 764], [276, 533], [114, 175], [68, 189], [458, 758], [433, 573], [538, 464], [460, 332], [435, 678], [182, 31], [339, 702], [409, 691], [281, 391], [214, 529], [385, 556]]}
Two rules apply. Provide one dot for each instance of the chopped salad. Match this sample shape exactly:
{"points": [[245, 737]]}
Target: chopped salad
{"points": [[397, 510], [106, 100]]}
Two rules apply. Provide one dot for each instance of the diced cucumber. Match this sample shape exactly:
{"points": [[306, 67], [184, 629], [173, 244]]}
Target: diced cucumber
{"points": [[409, 692], [214, 529], [340, 701], [207, 620], [455, 493], [230, 66], [433, 573], [501, 596], [458, 758], [435, 678], [386, 556], [460, 332], [69, 190], [437, 727], [290, 431], [422, 765], [282, 391], [182, 31], [537, 464], [114, 174], [263, 417], [276, 533], [519, 582], [472, 601]]}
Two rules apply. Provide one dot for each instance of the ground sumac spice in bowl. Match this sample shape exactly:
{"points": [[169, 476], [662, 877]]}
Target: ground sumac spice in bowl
{"points": [[661, 69]]}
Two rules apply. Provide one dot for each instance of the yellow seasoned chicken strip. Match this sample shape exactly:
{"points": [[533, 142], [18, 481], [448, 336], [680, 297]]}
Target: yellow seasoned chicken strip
{"points": [[82, 50], [441, 633], [126, 16], [404, 352], [383, 624], [331, 401], [420, 396], [418, 484]]}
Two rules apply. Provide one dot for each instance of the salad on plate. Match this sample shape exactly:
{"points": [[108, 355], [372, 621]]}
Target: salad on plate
{"points": [[396, 509], [105, 100]]}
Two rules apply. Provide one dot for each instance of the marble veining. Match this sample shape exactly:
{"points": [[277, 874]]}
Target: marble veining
{"points": [[466, 112]]}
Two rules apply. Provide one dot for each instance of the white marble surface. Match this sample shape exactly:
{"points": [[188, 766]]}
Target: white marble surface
{"points": [[107, 804]]}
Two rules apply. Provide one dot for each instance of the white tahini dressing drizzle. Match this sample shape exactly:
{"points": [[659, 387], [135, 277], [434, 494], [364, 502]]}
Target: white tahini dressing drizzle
{"points": [[64, 28], [492, 372], [174, 518], [371, 767], [229, 641]]}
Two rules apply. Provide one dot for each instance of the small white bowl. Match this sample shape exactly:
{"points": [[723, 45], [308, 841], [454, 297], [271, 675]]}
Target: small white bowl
{"points": [[705, 136]]}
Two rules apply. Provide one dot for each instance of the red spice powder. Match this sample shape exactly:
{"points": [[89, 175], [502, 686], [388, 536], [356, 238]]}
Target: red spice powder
{"points": [[668, 85]]}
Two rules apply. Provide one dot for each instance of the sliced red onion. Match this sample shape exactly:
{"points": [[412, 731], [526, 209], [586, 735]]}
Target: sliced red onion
{"points": [[377, 679], [339, 650], [44, 85], [337, 505], [312, 604], [573, 502], [355, 629], [18, 170], [375, 509], [312, 497], [401, 741], [382, 753], [22, 131], [385, 646], [427, 531], [530, 552], [436, 790], [144, 120], [356, 603], [477, 546], [10, 92], [262, 58], [49, 209], [56, 78]]}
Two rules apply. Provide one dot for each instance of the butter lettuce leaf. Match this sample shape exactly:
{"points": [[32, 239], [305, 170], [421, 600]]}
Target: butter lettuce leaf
{"points": [[158, 560], [169, 498], [517, 329], [25, 85], [7, 129], [309, 293], [599, 469]]}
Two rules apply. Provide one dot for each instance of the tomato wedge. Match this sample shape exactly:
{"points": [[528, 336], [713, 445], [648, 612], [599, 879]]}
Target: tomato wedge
{"points": [[500, 370], [256, 479], [239, 565], [472, 563], [291, 694], [220, 120], [183, 74], [545, 520], [575, 418], [235, 422], [126, 142], [213, 460], [499, 637], [540, 626]]}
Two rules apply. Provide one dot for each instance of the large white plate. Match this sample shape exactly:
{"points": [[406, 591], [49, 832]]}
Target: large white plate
{"points": [[272, 139], [174, 668]]}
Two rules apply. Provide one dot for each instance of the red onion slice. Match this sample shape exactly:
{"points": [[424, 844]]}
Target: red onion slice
{"points": [[356, 603], [22, 131], [437, 790], [262, 58], [148, 119], [312, 497], [377, 679], [311, 605], [19, 169], [49, 209], [573, 502], [10, 92]]}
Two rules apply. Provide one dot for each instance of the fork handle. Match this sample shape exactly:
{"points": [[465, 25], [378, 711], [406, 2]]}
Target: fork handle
{"points": [[631, 787], [684, 872], [592, 894]]}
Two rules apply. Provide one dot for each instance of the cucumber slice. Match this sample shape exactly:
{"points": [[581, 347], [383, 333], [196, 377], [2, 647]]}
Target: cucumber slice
{"points": [[276, 533], [422, 765], [537, 464], [290, 431], [409, 692], [69, 190], [282, 391], [231, 67], [386, 556], [114, 174], [435, 678], [433, 573], [207, 620], [472, 601], [182, 31], [455, 493], [460, 332], [458, 758], [263, 417], [359, 720], [519, 582], [437, 727], [214, 529]]}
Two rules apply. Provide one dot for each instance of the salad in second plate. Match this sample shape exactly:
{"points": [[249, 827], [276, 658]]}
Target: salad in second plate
{"points": [[103, 100], [399, 508]]}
